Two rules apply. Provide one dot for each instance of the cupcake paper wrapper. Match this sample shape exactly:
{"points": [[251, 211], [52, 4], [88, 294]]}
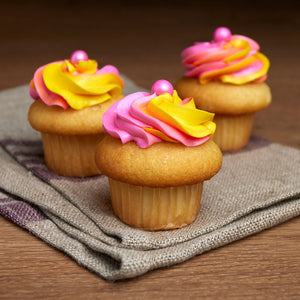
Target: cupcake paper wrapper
{"points": [[71, 155], [233, 131], [257, 188], [155, 208]]}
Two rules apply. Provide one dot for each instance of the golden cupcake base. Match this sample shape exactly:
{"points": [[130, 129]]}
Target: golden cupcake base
{"points": [[155, 208], [71, 155], [233, 131]]}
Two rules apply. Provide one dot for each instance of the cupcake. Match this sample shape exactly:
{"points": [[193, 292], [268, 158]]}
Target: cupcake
{"points": [[227, 77], [70, 99], [156, 155]]}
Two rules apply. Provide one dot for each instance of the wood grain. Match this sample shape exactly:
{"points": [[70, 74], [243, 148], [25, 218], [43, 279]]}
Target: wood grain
{"points": [[262, 266], [144, 40]]}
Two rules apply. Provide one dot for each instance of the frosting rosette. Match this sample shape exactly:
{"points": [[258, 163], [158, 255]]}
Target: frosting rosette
{"points": [[75, 83], [229, 58], [161, 116]]}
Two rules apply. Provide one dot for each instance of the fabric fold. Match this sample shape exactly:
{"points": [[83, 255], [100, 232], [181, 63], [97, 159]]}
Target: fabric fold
{"points": [[257, 188]]}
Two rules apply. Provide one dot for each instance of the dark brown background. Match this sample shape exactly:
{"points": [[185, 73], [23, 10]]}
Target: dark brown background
{"points": [[144, 40]]}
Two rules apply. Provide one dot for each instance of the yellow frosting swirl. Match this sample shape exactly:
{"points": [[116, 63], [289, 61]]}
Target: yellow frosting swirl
{"points": [[148, 119], [182, 115], [76, 85]]}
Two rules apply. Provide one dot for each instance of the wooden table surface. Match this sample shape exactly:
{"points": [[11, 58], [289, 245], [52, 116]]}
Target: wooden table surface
{"points": [[144, 40]]}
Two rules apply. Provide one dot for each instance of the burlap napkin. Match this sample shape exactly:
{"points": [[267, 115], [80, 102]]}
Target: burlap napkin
{"points": [[257, 188]]}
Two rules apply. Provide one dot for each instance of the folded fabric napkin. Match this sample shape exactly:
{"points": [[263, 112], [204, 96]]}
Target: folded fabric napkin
{"points": [[257, 188]]}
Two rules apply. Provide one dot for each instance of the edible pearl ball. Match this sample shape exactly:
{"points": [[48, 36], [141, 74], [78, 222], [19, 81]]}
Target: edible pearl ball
{"points": [[78, 55], [222, 34], [162, 86]]}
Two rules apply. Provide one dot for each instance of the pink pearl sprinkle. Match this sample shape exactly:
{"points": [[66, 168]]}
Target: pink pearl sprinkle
{"points": [[162, 86], [78, 55], [222, 34]]}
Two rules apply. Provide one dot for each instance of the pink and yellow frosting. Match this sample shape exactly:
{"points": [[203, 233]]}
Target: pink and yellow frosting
{"points": [[161, 116], [75, 83], [229, 58]]}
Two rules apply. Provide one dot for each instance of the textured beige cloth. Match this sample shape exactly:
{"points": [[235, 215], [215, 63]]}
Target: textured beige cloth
{"points": [[257, 188]]}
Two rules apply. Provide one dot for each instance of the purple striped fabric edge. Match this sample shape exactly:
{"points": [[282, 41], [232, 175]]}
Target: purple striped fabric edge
{"points": [[20, 212], [29, 153]]}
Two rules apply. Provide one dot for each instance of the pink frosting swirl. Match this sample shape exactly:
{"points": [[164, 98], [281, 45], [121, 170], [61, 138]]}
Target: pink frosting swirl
{"points": [[142, 117], [229, 58]]}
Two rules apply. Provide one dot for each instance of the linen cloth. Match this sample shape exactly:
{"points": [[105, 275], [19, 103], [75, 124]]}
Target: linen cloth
{"points": [[256, 188]]}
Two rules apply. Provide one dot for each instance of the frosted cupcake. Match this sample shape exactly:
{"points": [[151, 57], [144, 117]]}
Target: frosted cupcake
{"points": [[157, 154], [70, 99], [227, 77]]}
